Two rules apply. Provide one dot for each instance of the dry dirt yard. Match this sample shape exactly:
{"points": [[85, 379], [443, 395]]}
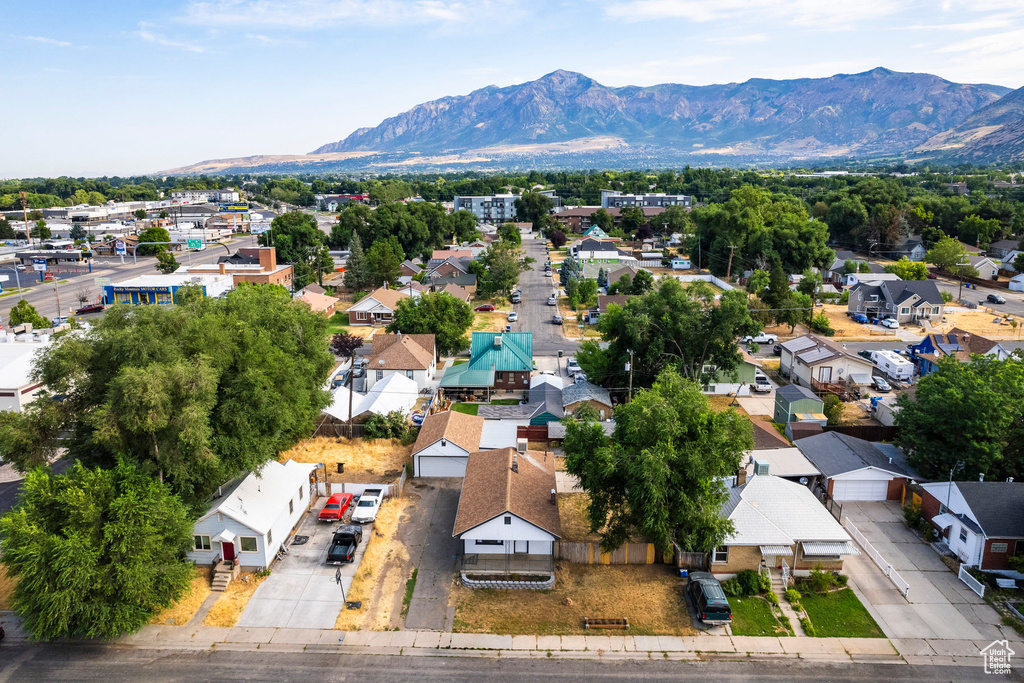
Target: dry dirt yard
{"points": [[379, 458], [650, 596], [980, 322], [183, 610], [229, 606]]}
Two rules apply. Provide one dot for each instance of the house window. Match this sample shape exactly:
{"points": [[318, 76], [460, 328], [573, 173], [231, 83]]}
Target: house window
{"points": [[999, 547], [943, 509], [905, 310], [720, 555], [200, 542], [220, 517], [270, 536], [300, 493], [360, 315], [935, 310], [508, 521], [963, 535], [499, 376], [291, 507], [484, 542], [408, 373], [247, 544], [380, 375]]}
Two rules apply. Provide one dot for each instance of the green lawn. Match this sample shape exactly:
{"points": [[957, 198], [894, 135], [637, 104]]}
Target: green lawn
{"points": [[839, 615], [505, 402], [460, 361], [753, 616], [467, 408], [337, 323]]}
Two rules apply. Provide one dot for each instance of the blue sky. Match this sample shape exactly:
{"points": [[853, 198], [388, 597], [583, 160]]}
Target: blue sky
{"points": [[119, 87]]}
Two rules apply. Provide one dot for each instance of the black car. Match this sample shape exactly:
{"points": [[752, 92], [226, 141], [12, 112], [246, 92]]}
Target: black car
{"points": [[709, 599], [777, 350], [995, 299]]}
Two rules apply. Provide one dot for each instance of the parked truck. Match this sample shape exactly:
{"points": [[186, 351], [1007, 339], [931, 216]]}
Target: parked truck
{"points": [[368, 506], [344, 543], [893, 364]]}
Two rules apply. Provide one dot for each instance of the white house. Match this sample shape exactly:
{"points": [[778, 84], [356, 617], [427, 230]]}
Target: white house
{"points": [[1009, 258], [980, 521], [856, 278], [444, 443], [411, 355], [508, 514], [393, 393], [1017, 283], [252, 517], [986, 267], [17, 389], [812, 361], [680, 263]]}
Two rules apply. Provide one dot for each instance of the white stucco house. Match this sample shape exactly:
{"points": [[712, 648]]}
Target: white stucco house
{"points": [[444, 443], [253, 516], [17, 388]]}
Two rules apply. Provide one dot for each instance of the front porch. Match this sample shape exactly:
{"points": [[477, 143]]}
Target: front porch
{"points": [[508, 564]]}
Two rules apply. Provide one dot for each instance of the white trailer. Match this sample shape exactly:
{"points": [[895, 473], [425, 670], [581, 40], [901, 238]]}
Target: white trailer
{"points": [[893, 364]]}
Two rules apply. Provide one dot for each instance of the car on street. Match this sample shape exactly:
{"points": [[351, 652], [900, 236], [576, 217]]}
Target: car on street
{"points": [[517, 297], [932, 276], [709, 599], [572, 367], [995, 299], [761, 338], [881, 385], [344, 543], [557, 320], [859, 318], [485, 308], [368, 506], [335, 508], [552, 301], [891, 323], [513, 316], [547, 273], [91, 308]]}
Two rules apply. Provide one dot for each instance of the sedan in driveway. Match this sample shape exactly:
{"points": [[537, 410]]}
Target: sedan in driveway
{"points": [[881, 385], [513, 316], [486, 308], [335, 508], [891, 323]]}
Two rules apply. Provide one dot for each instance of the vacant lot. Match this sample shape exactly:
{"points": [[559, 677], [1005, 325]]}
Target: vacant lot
{"points": [[489, 321], [845, 327], [379, 457], [183, 610], [721, 403], [650, 596], [983, 323]]}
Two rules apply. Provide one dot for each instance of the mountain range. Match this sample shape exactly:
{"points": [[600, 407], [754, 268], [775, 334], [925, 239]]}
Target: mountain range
{"points": [[568, 120]]}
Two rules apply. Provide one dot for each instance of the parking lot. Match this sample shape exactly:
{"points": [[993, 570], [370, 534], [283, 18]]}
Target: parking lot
{"points": [[302, 590]]}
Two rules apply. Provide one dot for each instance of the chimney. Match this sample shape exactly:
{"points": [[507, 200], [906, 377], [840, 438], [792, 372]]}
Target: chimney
{"points": [[222, 269], [554, 500], [515, 462], [741, 476]]}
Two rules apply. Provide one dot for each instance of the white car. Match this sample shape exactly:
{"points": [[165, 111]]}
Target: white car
{"points": [[572, 367], [552, 301], [368, 506], [547, 273], [761, 338], [891, 323], [513, 316]]}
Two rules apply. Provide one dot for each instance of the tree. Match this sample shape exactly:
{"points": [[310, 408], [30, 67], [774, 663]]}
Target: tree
{"points": [[677, 220], [153, 234], [602, 219], [212, 388], [833, 409], [602, 277], [632, 217], [571, 269], [810, 284], [299, 241], [95, 552], [439, 314], [140, 214], [163, 214], [586, 292], [41, 231], [77, 232], [24, 312], [642, 282], [509, 232], [357, 270], [661, 476], [778, 287], [383, 262], [499, 268], [6, 230], [976, 230], [758, 281], [1018, 263], [966, 417], [846, 219], [949, 255], [849, 266], [166, 263], [557, 238], [908, 270], [533, 207], [669, 326]]}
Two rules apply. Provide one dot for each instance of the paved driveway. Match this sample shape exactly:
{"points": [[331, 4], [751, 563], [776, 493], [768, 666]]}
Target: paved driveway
{"points": [[432, 550], [939, 605], [302, 591]]}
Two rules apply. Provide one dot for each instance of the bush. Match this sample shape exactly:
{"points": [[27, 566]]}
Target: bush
{"points": [[749, 582], [912, 515], [731, 587], [793, 595], [841, 579], [1016, 563], [764, 582], [820, 581], [946, 296], [807, 626], [926, 530], [773, 598], [820, 324], [390, 426], [844, 298], [834, 409]]}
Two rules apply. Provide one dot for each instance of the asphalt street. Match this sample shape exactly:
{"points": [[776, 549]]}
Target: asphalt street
{"points": [[534, 313], [109, 664]]}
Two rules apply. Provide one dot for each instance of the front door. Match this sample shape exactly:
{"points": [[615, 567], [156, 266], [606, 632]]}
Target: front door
{"points": [[521, 547], [228, 550], [825, 374]]}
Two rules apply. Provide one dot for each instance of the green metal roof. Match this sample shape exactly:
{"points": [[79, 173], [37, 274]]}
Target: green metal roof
{"points": [[514, 354], [465, 376]]}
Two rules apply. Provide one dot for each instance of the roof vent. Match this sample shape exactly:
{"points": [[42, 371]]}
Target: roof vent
{"points": [[515, 463], [1009, 480], [522, 444], [497, 341], [554, 499], [761, 468]]}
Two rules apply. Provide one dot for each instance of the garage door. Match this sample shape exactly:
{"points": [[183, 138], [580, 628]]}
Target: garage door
{"points": [[439, 466], [859, 490]]}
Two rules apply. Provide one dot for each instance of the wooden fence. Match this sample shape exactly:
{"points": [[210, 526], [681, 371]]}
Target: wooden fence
{"points": [[532, 432], [335, 429], [591, 553], [866, 432], [685, 560]]}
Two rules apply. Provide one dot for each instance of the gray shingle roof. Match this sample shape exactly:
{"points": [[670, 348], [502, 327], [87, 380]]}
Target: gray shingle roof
{"points": [[834, 453], [899, 291], [794, 392], [585, 391], [997, 505]]}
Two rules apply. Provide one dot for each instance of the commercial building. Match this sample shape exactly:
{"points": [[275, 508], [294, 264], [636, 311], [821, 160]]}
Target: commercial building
{"points": [[256, 265], [161, 289], [204, 196], [495, 208]]}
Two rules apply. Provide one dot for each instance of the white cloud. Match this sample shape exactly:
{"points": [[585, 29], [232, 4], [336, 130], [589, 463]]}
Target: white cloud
{"points": [[830, 15], [146, 34], [48, 41], [311, 14]]}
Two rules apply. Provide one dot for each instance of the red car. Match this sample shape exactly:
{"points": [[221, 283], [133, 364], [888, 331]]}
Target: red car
{"points": [[484, 308], [91, 308], [335, 508]]}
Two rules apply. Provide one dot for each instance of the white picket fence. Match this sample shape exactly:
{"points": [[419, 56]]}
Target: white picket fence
{"points": [[972, 583], [901, 584]]}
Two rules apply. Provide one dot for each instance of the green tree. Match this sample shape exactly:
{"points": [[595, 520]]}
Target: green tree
{"points": [[586, 292], [966, 417], [758, 281], [642, 282], [297, 240], [1018, 263], [383, 261], [533, 207], [846, 219], [810, 284], [976, 230], [834, 408], [163, 214], [166, 263], [77, 232], [6, 230], [153, 234], [439, 314], [676, 219], [499, 268], [140, 214], [632, 217], [509, 232], [41, 231], [908, 270], [602, 219], [660, 478], [951, 256], [357, 270], [24, 312], [95, 552], [212, 388], [778, 287]]}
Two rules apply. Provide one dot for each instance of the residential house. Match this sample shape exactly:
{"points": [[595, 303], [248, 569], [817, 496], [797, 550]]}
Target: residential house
{"points": [[957, 343], [318, 303], [589, 250], [408, 270], [253, 516], [376, 308], [736, 381], [794, 403], [442, 255], [870, 278], [781, 525], [1017, 283], [394, 393], [162, 289], [412, 355], [914, 250], [681, 263], [444, 443], [580, 219], [999, 249], [543, 405], [17, 388], [603, 302], [467, 281], [256, 265], [451, 266], [855, 469], [982, 522], [413, 288], [811, 361], [578, 394], [786, 463], [616, 274], [970, 248], [498, 361], [596, 232], [507, 520], [457, 291], [836, 271], [986, 267], [1009, 259], [907, 301]]}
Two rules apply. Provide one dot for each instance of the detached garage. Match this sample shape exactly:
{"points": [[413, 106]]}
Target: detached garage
{"points": [[855, 469], [445, 441]]}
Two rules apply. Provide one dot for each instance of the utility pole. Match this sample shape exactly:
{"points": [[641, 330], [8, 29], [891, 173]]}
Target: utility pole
{"points": [[24, 213], [629, 398], [351, 389], [728, 272], [56, 291]]}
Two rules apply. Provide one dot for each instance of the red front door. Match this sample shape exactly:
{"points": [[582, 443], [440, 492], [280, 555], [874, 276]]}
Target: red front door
{"points": [[228, 549]]}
